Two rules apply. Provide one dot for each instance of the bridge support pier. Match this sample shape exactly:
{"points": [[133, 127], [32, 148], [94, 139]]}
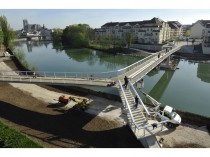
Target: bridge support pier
{"points": [[168, 61]]}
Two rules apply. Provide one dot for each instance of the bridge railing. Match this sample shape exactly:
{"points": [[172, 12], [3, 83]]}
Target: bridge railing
{"points": [[152, 66], [134, 65], [78, 75], [123, 71], [151, 129]]}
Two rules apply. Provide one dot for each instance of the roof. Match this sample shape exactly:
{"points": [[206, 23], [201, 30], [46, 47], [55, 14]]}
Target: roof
{"points": [[154, 22], [204, 22], [168, 109], [173, 25], [176, 23], [109, 24]]}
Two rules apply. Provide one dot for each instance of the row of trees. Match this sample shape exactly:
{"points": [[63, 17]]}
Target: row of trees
{"points": [[6, 33], [74, 35], [82, 35]]}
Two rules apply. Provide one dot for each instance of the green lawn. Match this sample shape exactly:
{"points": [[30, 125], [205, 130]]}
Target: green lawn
{"points": [[10, 138]]}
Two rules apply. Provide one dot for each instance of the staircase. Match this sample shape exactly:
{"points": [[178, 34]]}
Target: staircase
{"points": [[139, 120]]}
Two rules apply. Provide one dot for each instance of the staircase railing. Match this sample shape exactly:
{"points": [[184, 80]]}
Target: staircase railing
{"points": [[128, 107], [134, 92]]}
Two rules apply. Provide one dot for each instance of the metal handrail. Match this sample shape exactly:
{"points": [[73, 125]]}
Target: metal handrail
{"points": [[135, 92], [127, 104], [146, 70], [132, 66]]}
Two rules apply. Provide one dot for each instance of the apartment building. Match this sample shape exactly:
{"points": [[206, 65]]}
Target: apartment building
{"points": [[206, 39], [154, 31], [196, 30], [176, 30]]}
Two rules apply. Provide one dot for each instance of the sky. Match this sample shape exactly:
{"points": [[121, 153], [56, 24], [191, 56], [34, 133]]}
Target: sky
{"points": [[60, 18]]}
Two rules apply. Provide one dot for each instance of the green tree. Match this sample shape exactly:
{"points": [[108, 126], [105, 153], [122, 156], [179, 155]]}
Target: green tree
{"points": [[1, 37], [76, 35], [128, 38], [187, 33], [7, 31], [57, 34]]}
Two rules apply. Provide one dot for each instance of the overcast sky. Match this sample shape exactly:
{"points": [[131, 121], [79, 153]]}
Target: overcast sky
{"points": [[96, 12]]}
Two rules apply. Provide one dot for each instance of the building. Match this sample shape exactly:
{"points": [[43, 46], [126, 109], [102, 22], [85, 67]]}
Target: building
{"points": [[35, 30], [196, 30], [154, 31], [206, 39], [31, 28], [176, 30]]}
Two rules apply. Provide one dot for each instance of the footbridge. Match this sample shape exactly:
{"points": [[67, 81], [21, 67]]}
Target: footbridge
{"points": [[134, 72], [140, 120]]}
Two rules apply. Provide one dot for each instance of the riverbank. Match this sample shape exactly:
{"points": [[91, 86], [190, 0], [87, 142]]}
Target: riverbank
{"points": [[39, 115], [191, 56]]}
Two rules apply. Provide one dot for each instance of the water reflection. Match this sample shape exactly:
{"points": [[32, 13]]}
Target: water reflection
{"points": [[203, 72], [103, 59], [44, 53], [32, 43], [160, 87]]}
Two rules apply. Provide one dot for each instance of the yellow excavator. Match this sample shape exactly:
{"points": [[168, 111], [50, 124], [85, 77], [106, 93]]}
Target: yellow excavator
{"points": [[65, 99]]}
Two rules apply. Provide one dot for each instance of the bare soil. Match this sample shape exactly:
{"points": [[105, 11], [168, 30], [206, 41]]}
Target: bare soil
{"points": [[35, 112], [53, 127]]}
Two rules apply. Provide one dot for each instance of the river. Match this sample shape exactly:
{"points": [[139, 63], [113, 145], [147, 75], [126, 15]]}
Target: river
{"points": [[186, 89]]}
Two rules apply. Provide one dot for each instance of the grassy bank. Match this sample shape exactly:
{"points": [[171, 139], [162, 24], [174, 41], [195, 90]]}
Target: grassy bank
{"points": [[10, 138]]}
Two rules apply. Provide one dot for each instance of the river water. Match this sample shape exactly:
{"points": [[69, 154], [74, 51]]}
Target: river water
{"points": [[186, 89]]}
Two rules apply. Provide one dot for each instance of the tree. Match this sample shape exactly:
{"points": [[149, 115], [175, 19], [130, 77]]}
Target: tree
{"points": [[57, 34], [1, 37], [8, 33], [76, 35], [128, 38], [187, 33]]}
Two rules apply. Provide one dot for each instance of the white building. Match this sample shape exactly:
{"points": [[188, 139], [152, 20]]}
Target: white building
{"points": [[206, 39], [197, 28], [176, 30], [154, 31]]}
